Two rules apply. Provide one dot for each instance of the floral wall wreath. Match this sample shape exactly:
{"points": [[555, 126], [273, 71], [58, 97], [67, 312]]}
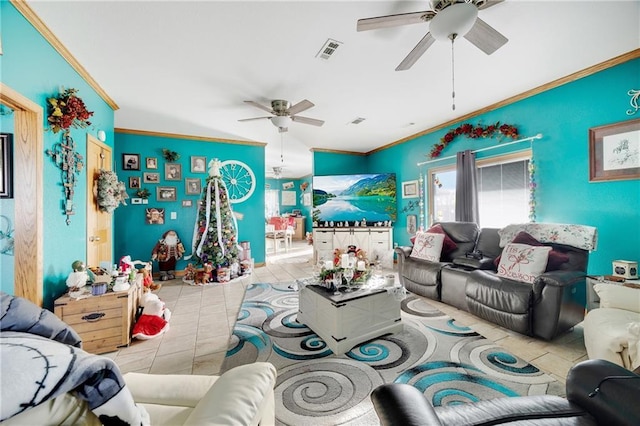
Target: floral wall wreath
{"points": [[474, 132], [67, 110]]}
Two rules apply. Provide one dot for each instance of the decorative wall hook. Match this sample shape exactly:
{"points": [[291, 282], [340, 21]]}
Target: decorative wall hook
{"points": [[411, 206], [635, 95], [70, 163]]}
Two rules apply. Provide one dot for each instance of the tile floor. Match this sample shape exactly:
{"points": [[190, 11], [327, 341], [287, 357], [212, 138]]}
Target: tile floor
{"points": [[203, 318]]}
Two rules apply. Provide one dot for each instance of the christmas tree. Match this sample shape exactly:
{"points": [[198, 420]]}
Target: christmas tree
{"points": [[215, 233]]}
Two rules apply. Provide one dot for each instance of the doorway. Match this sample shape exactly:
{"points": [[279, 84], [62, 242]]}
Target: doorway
{"points": [[99, 223], [28, 193]]}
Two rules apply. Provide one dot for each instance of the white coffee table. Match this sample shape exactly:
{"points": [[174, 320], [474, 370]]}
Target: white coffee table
{"points": [[349, 319]]}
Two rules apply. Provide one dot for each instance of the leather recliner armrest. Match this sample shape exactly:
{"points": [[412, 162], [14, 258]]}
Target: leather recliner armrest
{"points": [[616, 400], [399, 404], [242, 396], [404, 251], [562, 278]]}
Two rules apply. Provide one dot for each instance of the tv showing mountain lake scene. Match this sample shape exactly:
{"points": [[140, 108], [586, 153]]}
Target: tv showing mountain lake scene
{"points": [[352, 198]]}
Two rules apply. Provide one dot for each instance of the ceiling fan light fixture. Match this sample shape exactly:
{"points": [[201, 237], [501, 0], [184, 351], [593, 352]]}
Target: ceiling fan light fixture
{"points": [[455, 19], [281, 121]]}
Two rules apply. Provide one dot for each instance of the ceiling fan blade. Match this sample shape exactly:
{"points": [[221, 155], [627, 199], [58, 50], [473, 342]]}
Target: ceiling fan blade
{"points": [[484, 4], [307, 120], [255, 118], [299, 107], [416, 53], [389, 21], [485, 37], [257, 105]]}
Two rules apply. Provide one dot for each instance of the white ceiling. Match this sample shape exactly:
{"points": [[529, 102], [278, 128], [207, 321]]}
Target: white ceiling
{"points": [[187, 66]]}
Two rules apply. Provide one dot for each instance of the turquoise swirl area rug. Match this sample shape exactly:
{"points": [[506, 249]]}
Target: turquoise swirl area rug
{"points": [[449, 363]]}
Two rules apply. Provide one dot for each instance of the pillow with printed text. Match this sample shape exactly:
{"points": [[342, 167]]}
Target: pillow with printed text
{"points": [[522, 262], [427, 246]]}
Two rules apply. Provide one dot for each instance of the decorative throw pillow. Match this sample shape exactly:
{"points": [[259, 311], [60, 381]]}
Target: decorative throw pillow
{"points": [[556, 258], [618, 297], [448, 245], [522, 262], [427, 246]]}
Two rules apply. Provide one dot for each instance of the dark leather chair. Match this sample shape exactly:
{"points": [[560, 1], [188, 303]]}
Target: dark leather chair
{"points": [[598, 393]]}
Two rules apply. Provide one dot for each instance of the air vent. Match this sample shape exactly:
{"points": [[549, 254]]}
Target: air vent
{"points": [[358, 120], [328, 49]]}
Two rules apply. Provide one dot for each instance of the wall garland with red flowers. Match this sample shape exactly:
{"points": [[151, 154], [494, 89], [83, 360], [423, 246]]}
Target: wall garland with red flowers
{"points": [[474, 132]]}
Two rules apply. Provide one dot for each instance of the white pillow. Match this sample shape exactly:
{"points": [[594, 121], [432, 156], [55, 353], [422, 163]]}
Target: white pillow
{"points": [[618, 297], [522, 262], [427, 246]]}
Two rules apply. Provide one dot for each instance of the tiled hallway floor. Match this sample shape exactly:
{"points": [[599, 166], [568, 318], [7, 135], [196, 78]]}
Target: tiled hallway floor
{"points": [[203, 318]]}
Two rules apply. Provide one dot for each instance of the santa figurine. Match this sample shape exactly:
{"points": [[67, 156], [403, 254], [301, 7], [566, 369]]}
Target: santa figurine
{"points": [[167, 251]]}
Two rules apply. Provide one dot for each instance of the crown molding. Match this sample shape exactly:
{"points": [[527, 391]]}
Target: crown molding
{"points": [[41, 27], [338, 151], [189, 137]]}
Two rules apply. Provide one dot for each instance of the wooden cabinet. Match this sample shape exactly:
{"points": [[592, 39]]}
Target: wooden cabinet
{"points": [[322, 244], [377, 242], [103, 322], [299, 233]]}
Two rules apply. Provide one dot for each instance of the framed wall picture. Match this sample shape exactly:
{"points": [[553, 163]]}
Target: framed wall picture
{"points": [[131, 161], [166, 193], [412, 224], [6, 165], [306, 199], [173, 171], [614, 151], [187, 203], [287, 185], [134, 182], [152, 163], [288, 198], [154, 216], [192, 186], [198, 164], [151, 177], [410, 189]]}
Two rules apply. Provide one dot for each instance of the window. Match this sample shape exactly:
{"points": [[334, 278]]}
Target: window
{"points": [[503, 191], [271, 203]]}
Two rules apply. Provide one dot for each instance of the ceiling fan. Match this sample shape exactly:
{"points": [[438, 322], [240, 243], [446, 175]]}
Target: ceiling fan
{"points": [[448, 19], [276, 172], [283, 113]]}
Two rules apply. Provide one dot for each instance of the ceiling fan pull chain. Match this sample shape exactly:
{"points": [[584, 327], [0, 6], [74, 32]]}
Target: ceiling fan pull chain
{"points": [[453, 75], [281, 148]]}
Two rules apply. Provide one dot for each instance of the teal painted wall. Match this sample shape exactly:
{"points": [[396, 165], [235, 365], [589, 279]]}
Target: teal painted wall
{"points": [[333, 163], [7, 211], [33, 68], [136, 238], [564, 194]]}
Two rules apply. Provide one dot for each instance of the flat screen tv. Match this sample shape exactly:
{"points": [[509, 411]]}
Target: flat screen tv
{"points": [[352, 198]]}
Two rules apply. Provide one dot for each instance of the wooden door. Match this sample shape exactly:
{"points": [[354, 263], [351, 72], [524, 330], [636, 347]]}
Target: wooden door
{"points": [[99, 224], [28, 147]]}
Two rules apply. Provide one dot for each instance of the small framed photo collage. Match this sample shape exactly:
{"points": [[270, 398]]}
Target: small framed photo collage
{"points": [[168, 176]]}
